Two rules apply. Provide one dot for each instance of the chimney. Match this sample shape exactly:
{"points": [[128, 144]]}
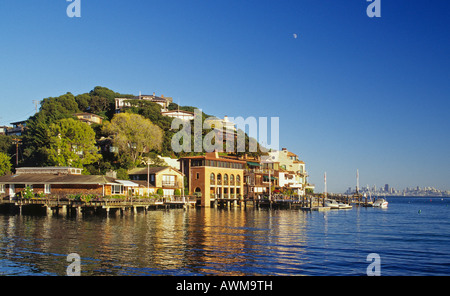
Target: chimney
{"points": [[214, 154]]}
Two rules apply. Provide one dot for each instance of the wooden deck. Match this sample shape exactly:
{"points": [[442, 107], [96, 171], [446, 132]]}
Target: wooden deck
{"points": [[67, 206]]}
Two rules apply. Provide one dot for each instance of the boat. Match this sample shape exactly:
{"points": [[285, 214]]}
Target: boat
{"points": [[344, 206], [331, 203], [336, 205], [380, 203]]}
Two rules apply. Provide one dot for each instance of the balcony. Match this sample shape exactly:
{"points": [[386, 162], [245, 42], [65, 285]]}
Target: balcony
{"points": [[171, 184]]}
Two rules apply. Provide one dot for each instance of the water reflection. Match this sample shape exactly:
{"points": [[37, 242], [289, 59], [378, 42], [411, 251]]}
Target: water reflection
{"points": [[177, 242]]}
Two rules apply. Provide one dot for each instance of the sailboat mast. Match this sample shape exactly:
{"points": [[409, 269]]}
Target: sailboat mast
{"points": [[357, 180]]}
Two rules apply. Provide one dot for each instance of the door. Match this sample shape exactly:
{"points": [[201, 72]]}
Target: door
{"points": [[12, 191]]}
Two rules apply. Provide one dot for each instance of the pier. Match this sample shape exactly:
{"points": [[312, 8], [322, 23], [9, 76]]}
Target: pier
{"points": [[65, 206]]}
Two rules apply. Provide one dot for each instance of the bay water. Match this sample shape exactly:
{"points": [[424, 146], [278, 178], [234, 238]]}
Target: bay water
{"points": [[411, 237]]}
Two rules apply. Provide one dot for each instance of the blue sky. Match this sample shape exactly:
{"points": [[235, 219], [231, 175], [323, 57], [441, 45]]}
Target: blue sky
{"points": [[351, 92]]}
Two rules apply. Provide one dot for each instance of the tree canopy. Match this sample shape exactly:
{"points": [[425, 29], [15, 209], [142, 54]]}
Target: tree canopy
{"points": [[134, 135], [53, 136], [5, 164], [72, 143]]}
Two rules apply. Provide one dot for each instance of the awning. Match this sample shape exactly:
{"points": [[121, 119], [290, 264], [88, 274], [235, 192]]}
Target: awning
{"points": [[253, 163], [127, 183]]}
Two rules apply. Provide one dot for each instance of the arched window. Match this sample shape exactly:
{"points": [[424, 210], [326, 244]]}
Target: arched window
{"points": [[225, 179], [213, 178], [231, 179], [219, 179], [238, 180], [198, 191]]}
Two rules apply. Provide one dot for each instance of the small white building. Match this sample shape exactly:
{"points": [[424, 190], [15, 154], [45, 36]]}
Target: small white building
{"points": [[183, 115]]}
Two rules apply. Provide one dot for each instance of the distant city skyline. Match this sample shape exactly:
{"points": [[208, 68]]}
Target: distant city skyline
{"points": [[352, 92]]}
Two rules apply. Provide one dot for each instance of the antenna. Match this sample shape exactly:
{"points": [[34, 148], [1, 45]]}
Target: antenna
{"points": [[36, 103]]}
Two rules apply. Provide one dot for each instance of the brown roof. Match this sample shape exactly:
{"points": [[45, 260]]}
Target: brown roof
{"points": [[55, 179], [213, 158]]}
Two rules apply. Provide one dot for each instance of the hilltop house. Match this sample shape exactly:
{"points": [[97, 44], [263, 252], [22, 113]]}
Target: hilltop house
{"points": [[164, 102], [89, 118]]}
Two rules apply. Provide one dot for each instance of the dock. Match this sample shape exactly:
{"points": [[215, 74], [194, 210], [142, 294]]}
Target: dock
{"points": [[65, 206]]}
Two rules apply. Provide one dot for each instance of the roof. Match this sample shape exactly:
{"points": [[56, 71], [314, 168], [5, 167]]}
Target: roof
{"points": [[85, 113], [213, 158], [291, 154], [177, 111], [144, 184], [150, 170], [127, 183], [56, 179]]}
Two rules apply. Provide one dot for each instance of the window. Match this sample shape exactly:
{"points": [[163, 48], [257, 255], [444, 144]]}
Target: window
{"points": [[225, 179], [238, 180], [47, 188], [197, 176], [212, 178], [219, 179], [116, 189], [169, 180], [231, 179], [2, 188]]}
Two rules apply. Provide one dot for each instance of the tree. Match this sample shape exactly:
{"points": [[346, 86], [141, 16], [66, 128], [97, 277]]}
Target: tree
{"points": [[35, 139], [5, 164], [72, 143], [134, 135]]}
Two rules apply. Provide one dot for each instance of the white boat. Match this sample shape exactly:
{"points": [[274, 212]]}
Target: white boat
{"points": [[344, 206], [380, 203], [335, 205], [332, 204]]}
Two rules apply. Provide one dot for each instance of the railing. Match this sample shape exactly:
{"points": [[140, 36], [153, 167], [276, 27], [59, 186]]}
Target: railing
{"points": [[170, 184]]}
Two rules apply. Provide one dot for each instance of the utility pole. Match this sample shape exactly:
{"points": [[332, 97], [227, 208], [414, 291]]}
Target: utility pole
{"points": [[17, 142]]}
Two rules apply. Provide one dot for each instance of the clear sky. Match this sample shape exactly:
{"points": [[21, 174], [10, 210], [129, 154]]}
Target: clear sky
{"points": [[351, 92]]}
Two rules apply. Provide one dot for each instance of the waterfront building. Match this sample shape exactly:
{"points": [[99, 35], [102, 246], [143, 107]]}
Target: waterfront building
{"points": [[150, 179], [213, 177], [291, 171], [260, 178], [58, 182]]}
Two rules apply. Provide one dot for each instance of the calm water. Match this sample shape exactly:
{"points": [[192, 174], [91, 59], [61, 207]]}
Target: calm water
{"points": [[412, 237]]}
